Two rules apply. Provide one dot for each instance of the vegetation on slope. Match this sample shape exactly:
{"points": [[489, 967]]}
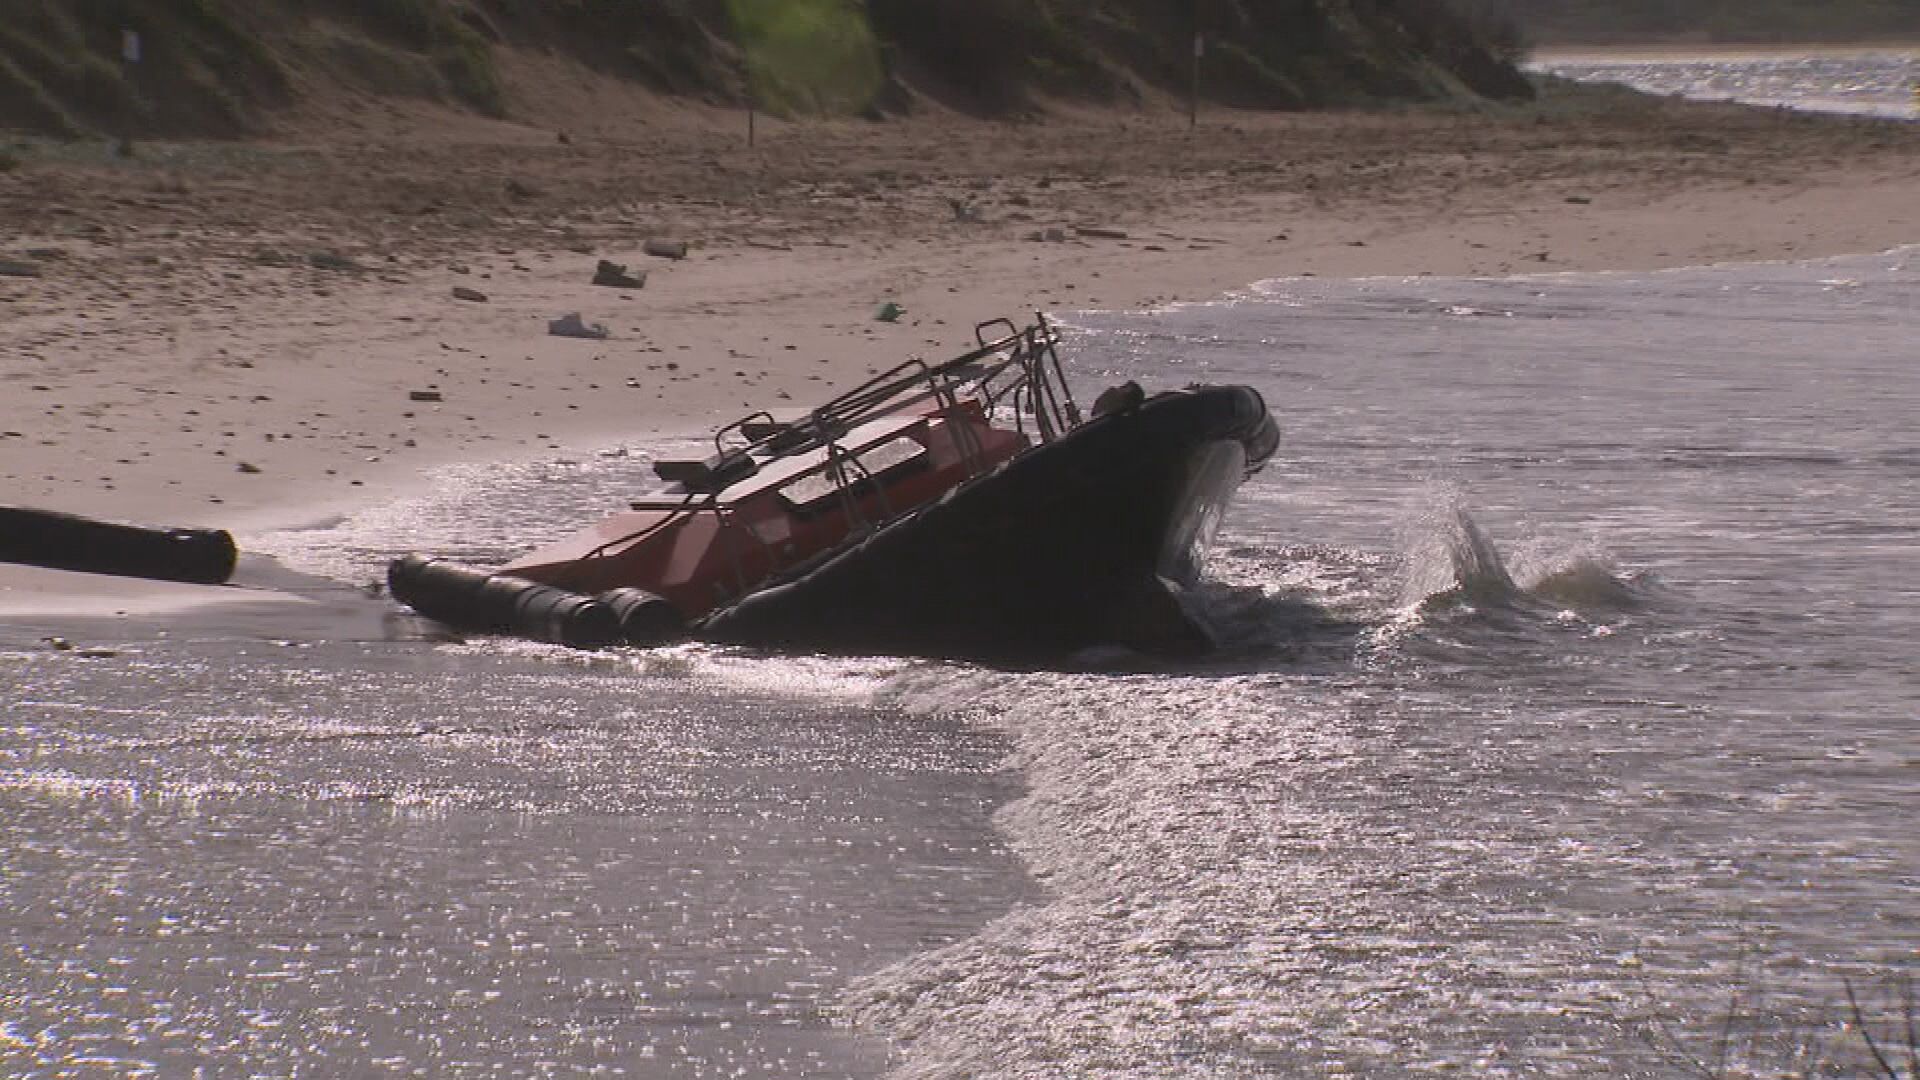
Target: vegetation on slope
{"points": [[223, 66], [201, 67]]}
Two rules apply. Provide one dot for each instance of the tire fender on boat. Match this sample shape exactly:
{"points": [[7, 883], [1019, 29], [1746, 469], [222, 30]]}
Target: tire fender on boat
{"points": [[472, 599], [645, 619]]}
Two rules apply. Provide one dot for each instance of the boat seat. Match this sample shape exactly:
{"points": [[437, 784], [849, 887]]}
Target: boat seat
{"points": [[708, 477]]}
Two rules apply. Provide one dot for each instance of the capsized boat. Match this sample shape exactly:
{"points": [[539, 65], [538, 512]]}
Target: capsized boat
{"points": [[958, 509]]}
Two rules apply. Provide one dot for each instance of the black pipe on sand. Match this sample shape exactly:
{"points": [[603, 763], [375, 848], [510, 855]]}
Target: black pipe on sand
{"points": [[69, 542]]}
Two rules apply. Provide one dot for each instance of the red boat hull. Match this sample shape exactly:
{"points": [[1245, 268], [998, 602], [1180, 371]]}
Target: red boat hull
{"points": [[703, 560]]}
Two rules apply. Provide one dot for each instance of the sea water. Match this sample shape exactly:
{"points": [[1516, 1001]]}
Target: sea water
{"points": [[1566, 693], [1569, 698], [1564, 720], [1865, 81]]}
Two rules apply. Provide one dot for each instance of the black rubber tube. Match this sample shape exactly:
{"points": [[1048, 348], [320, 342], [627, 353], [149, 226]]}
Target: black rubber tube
{"points": [[70, 542], [645, 619], [471, 599]]}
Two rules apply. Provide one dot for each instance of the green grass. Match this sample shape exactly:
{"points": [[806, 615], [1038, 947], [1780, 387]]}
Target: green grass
{"points": [[465, 60], [808, 56]]}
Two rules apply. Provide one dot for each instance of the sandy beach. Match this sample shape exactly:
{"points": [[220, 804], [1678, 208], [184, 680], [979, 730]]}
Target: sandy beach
{"points": [[247, 335]]}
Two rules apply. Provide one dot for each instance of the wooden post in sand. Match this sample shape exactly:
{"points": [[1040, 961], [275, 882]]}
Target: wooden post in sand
{"points": [[130, 72], [746, 86], [1193, 93]]}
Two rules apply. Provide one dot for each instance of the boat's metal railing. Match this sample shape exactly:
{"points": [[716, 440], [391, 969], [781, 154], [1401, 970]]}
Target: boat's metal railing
{"points": [[845, 471], [1020, 367], [1036, 386]]}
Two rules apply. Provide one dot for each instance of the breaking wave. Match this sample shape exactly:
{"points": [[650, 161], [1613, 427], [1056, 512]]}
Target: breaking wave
{"points": [[1450, 563]]}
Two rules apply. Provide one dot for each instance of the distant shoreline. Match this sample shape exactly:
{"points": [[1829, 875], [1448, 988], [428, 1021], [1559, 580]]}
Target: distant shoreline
{"points": [[1566, 51]]}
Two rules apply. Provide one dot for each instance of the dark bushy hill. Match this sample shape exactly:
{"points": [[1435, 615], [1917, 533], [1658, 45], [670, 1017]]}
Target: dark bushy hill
{"points": [[203, 66], [223, 66]]}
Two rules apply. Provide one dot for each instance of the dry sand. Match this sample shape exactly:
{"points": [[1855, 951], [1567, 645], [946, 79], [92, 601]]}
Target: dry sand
{"points": [[233, 335]]}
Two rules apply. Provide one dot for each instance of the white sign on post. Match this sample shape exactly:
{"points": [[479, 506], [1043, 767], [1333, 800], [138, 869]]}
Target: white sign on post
{"points": [[130, 46]]}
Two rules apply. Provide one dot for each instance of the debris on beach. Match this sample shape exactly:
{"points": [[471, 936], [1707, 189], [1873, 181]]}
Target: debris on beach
{"points": [[616, 276], [889, 312], [461, 292], [429, 395], [10, 268], [571, 325], [1101, 232], [666, 249], [330, 260], [91, 652]]}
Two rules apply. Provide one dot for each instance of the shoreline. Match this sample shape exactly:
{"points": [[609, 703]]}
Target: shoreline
{"points": [[200, 349], [1570, 51]]}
